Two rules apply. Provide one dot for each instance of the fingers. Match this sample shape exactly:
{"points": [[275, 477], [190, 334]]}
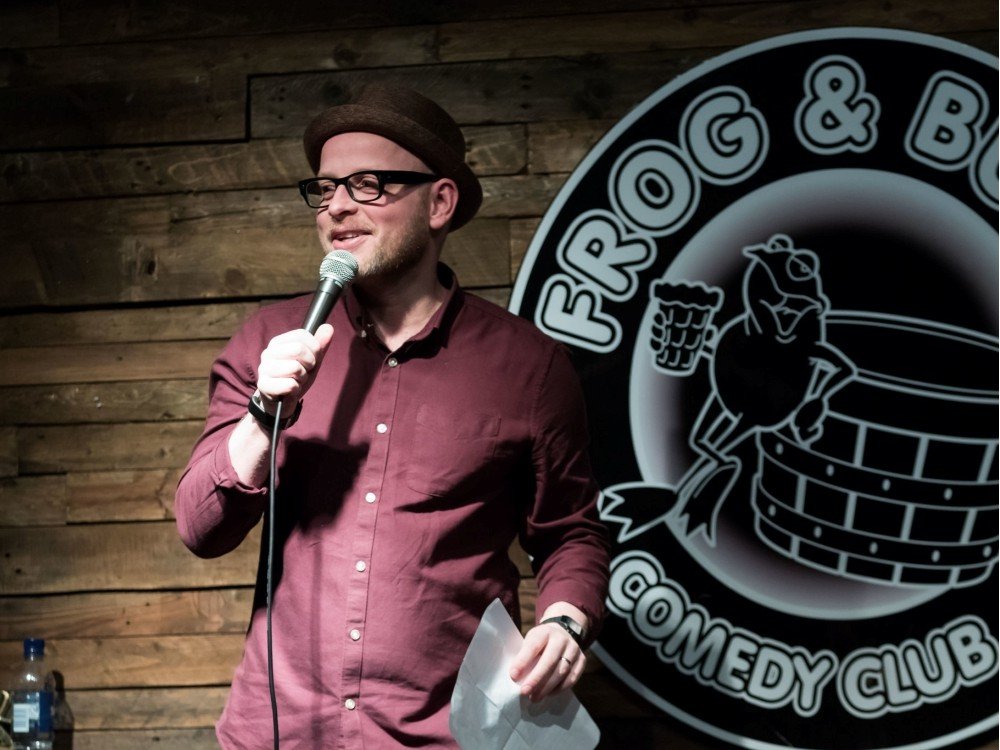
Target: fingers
{"points": [[288, 364], [549, 661]]}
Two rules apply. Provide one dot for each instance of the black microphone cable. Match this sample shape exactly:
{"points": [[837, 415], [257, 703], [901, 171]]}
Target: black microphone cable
{"points": [[272, 463], [335, 272]]}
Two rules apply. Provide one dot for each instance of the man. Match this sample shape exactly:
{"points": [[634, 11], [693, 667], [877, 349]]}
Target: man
{"points": [[428, 429]]}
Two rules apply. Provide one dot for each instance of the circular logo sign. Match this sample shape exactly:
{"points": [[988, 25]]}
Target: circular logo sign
{"points": [[778, 276]]}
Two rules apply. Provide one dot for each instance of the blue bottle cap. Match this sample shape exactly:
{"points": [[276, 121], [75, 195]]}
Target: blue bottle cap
{"points": [[34, 647]]}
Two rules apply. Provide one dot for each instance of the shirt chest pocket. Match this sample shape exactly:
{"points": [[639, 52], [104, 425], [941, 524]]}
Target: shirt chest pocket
{"points": [[450, 450]]}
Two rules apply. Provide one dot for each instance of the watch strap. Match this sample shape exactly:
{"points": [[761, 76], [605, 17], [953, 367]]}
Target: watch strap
{"points": [[256, 409], [568, 624]]}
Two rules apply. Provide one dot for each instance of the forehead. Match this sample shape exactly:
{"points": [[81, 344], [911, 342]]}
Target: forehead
{"points": [[345, 153]]}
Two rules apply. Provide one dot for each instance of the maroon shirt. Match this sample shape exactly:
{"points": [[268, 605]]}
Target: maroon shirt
{"points": [[400, 489]]}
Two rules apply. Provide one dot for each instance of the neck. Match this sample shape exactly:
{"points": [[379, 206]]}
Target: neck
{"points": [[401, 308]]}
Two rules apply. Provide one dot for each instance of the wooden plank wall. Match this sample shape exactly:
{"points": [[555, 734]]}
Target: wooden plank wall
{"points": [[147, 150]]}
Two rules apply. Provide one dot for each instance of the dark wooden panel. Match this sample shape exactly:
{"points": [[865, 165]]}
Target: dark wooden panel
{"points": [[178, 323], [161, 739], [34, 501], [108, 112], [587, 87], [95, 173], [259, 163], [29, 23], [8, 451], [106, 20], [88, 497], [521, 234], [149, 445], [560, 146], [161, 92], [146, 708], [191, 61], [718, 26], [97, 363], [527, 195], [207, 245], [205, 659], [118, 614], [156, 400], [108, 557]]}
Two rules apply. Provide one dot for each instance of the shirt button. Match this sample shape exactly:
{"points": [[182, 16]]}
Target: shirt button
{"points": [[355, 635], [370, 497], [350, 704], [382, 427], [393, 362], [360, 566]]}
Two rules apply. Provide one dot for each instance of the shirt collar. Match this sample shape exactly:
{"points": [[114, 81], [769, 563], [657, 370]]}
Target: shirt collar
{"points": [[439, 325]]}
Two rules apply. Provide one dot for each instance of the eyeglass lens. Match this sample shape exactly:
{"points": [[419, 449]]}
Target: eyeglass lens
{"points": [[363, 187]]}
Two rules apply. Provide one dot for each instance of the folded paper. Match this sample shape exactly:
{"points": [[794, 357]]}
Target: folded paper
{"points": [[488, 711]]}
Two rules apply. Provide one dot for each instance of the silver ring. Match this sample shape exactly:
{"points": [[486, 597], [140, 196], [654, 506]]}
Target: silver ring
{"points": [[566, 660]]}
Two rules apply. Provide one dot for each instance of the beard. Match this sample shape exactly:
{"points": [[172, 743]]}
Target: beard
{"points": [[397, 255]]}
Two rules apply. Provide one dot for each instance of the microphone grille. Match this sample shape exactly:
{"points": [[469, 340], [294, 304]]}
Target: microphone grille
{"points": [[339, 265]]}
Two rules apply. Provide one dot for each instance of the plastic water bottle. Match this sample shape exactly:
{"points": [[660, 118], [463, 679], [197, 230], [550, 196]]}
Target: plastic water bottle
{"points": [[34, 691]]}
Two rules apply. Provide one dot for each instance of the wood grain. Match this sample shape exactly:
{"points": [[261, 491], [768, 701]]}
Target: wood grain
{"points": [[724, 26], [258, 163], [97, 363], [88, 497], [124, 325], [147, 445], [585, 87], [115, 557], [145, 708], [201, 246], [160, 400], [117, 614]]}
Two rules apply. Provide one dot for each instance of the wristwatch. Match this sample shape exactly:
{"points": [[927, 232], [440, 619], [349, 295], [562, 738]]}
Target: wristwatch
{"points": [[570, 625], [256, 409]]}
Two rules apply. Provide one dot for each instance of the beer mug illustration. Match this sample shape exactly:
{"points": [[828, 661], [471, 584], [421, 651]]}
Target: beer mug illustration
{"points": [[682, 324]]}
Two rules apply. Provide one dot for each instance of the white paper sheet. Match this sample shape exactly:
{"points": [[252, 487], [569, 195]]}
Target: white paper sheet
{"points": [[488, 711]]}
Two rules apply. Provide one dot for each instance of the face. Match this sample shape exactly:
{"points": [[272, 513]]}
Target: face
{"points": [[390, 236]]}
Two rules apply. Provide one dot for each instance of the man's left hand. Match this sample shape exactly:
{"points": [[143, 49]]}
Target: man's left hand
{"points": [[549, 661]]}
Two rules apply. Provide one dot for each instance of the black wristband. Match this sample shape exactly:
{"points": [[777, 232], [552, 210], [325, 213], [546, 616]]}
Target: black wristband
{"points": [[256, 409], [570, 625]]}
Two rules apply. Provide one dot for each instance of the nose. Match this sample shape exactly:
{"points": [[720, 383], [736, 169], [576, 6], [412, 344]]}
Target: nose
{"points": [[340, 202]]}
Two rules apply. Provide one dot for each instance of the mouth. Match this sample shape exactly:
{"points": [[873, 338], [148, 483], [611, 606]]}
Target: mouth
{"points": [[347, 239], [788, 313]]}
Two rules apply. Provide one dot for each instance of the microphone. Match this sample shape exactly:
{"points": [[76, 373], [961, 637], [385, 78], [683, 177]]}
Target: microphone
{"points": [[335, 272]]}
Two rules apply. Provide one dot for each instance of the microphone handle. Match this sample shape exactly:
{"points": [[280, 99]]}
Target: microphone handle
{"points": [[327, 294]]}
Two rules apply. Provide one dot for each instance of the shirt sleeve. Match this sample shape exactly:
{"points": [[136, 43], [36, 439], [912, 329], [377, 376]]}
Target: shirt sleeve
{"points": [[562, 532], [214, 509]]}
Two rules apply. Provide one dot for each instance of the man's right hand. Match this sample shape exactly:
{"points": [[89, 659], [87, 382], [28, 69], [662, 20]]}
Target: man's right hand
{"points": [[288, 366]]}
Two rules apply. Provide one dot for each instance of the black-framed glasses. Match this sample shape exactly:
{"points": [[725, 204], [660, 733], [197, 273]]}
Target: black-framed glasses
{"points": [[363, 187]]}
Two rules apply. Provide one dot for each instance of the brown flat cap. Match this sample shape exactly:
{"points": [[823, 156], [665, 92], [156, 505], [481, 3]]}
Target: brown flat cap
{"points": [[415, 123]]}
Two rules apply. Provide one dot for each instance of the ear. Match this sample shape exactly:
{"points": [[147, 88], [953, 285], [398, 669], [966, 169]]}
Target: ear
{"points": [[442, 204]]}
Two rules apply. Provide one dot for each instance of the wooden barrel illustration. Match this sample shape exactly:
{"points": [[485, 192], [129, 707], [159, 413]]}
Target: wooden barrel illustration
{"points": [[901, 488]]}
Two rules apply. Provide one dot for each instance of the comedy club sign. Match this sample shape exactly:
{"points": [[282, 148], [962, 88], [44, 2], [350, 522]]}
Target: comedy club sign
{"points": [[778, 278]]}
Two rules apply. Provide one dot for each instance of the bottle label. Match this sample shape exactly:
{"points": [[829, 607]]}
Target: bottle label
{"points": [[32, 713]]}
